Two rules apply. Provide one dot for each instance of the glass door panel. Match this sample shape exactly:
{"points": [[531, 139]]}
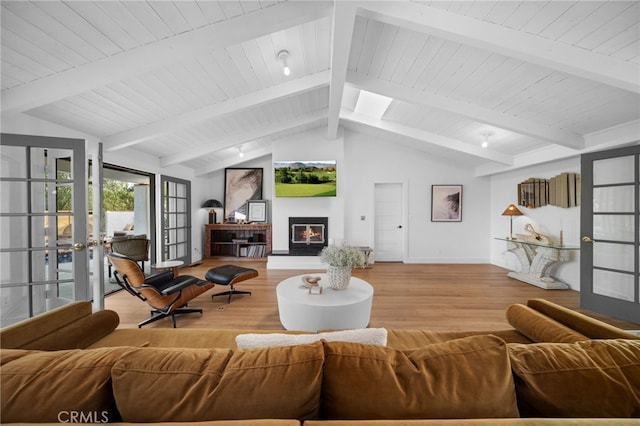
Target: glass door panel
{"points": [[610, 252], [42, 229]]}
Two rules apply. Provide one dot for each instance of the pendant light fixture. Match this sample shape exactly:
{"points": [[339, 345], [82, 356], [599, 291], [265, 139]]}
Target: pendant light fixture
{"points": [[282, 57]]}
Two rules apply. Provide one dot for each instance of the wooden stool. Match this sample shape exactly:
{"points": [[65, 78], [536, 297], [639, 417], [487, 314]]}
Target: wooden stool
{"points": [[229, 275]]}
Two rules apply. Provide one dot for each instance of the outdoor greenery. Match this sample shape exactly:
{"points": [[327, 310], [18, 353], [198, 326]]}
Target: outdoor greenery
{"points": [[116, 195], [308, 181]]}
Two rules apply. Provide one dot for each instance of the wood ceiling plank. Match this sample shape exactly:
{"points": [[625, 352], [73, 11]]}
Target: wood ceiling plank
{"points": [[129, 24], [626, 19], [309, 47], [427, 137], [400, 41], [508, 42], [28, 23], [240, 138], [472, 111], [171, 16], [605, 12], [161, 53], [578, 12], [151, 130], [257, 62], [546, 16], [523, 14], [616, 44], [192, 13], [149, 19], [105, 28]]}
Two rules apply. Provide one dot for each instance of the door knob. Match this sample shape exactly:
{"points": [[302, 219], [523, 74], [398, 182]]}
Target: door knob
{"points": [[587, 239], [399, 226], [78, 246]]}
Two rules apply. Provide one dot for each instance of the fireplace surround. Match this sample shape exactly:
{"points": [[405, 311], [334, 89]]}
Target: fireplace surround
{"points": [[308, 235]]}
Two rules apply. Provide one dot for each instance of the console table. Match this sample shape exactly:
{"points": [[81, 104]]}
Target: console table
{"points": [[537, 261], [252, 241]]}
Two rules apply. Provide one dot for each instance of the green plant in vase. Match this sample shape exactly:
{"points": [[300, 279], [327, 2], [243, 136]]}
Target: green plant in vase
{"points": [[341, 260]]}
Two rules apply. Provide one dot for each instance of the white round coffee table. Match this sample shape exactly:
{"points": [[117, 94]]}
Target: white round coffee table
{"points": [[344, 309], [169, 264]]}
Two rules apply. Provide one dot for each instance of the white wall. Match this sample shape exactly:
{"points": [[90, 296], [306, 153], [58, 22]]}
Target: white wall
{"points": [[548, 220], [372, 161], [309, 146]]}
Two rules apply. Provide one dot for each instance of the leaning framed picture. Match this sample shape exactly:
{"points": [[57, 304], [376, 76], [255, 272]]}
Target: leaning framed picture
{"points": [[446, 203], [257, 211], [240, 185]]}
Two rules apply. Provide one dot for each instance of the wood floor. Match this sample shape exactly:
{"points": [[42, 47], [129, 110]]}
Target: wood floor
{"points": [[439, 297]]}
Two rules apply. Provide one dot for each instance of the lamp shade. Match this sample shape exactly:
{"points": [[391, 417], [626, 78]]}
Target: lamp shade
{"points": [[211, 203], [511, 210]]}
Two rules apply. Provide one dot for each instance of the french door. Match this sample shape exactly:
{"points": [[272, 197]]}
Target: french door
{"points": [[44, 260], [610, 227], [176, 219]]}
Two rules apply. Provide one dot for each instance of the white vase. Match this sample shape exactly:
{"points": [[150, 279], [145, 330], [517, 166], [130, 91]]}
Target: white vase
{"points": [[339, 277]]}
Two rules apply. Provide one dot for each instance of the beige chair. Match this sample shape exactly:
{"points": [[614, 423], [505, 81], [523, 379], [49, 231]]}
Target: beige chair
{"points": [[134, 247]]}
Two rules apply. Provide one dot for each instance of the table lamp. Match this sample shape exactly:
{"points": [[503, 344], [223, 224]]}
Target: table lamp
{"points": [[212, 213], [511, 211]]}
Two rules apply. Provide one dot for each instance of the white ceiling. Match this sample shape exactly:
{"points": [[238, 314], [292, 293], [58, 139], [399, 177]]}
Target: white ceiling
{"points": [[192, 81]]}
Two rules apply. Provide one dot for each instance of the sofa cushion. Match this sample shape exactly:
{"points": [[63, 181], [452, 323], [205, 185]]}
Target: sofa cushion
{"points": [[598, 378], [540, 328], [590, 327], [180, 385], [367, 336], [40, 386], [463, 378]]}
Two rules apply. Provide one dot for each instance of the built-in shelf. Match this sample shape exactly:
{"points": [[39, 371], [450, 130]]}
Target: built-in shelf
{"points": [[238, 242]]}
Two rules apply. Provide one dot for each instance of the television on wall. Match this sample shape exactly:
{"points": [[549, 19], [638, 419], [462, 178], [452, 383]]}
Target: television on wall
{"points": [[305, 178]]}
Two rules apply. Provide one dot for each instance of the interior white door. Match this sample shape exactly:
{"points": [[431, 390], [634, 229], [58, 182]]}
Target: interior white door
{"points": [[388, 222]]}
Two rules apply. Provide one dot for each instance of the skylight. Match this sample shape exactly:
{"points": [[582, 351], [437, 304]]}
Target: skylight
{"points": [[372, 104]]}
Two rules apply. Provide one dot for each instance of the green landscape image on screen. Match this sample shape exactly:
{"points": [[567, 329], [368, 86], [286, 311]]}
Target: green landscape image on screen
{"points": [[305, 178]]}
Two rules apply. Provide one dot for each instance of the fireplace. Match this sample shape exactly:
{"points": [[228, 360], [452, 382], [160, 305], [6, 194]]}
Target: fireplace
{"points": [[308, 235]]}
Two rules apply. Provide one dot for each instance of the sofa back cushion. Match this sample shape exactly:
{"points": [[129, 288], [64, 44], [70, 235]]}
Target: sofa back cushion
{"points": [[590, 327], [464, 378], [185, 385], [597, 378], [53, 386], [539, 327]]}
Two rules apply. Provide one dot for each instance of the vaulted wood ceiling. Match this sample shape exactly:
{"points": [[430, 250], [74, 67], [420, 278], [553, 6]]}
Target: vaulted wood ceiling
{"points": [[193, 82]]}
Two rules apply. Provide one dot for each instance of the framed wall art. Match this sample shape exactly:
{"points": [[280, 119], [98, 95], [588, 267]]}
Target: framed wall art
{"points": [[257, 211], [446, 203], [240, 185]]}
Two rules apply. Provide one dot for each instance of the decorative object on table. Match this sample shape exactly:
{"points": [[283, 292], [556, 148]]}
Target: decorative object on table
{"points": [[511, 211], [315, 290], [310, 281], [534, 236], [240, 185], [257, 210], [212, 205], [341, 260], [446, 203]]}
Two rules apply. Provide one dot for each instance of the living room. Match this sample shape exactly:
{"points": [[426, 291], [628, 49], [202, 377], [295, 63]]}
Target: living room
{"points": [[441, 92]]}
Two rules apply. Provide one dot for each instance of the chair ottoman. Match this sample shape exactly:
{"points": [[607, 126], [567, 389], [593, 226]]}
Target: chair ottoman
{"points": [[229, 275]]}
